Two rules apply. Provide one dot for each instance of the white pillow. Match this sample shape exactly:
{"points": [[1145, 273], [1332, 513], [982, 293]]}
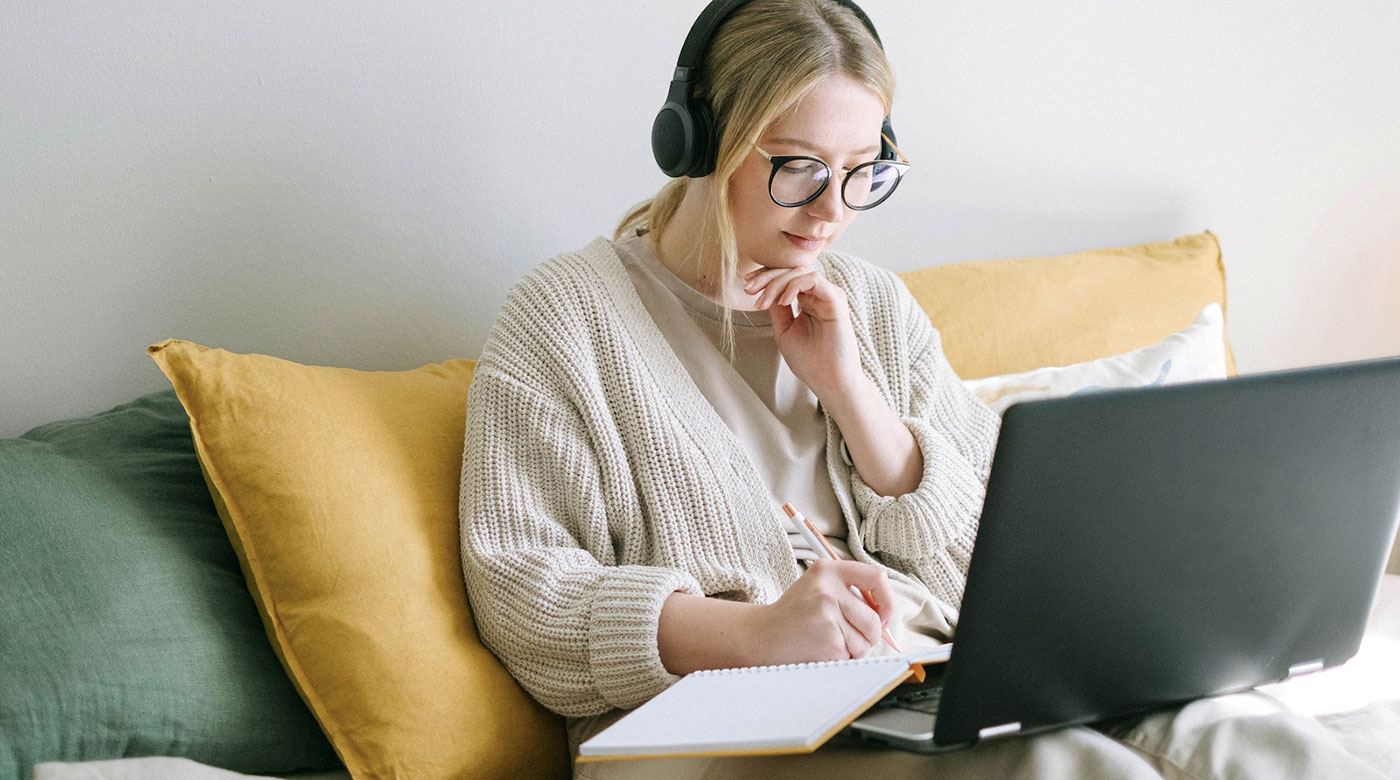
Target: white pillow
{"points": [[1196, 353]]}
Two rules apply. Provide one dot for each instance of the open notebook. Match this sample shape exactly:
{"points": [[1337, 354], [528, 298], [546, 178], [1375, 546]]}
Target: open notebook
{"points": [[793, 708]]}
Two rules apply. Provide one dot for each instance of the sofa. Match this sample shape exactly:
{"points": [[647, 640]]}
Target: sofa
{"points": [[257, 569]]}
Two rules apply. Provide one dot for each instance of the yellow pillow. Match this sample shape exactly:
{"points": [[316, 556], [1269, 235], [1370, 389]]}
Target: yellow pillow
{"points": [[339, 490], [1008, 316]]}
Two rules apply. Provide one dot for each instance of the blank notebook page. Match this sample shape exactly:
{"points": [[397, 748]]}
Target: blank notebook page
{"points": [[758, 709]]}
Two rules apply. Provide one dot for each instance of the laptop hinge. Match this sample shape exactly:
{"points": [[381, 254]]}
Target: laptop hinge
{"points": [[1307, 667], [1003, 730]]}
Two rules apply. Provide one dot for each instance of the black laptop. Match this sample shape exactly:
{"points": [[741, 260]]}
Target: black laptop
{"points": [[1141, 548]]}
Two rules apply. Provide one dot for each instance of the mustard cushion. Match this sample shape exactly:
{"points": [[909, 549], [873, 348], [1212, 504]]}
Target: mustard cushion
{"points": [[338, 489], [1009, 316]]}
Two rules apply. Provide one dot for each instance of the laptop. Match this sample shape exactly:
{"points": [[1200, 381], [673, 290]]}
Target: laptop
{"points": [[1141, 548]]}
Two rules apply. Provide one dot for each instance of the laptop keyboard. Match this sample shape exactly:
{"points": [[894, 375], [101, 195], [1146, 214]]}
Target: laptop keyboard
{"points": [[920, 701]]}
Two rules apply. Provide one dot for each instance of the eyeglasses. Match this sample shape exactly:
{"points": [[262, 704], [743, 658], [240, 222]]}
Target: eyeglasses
{"points": [[797, 180]]}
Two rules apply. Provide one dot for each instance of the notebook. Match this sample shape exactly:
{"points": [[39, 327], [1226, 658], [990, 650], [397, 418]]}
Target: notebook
{"points": [[792, 708]]}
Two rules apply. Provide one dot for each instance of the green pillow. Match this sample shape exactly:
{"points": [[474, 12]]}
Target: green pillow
{"points": [[126, 628]]}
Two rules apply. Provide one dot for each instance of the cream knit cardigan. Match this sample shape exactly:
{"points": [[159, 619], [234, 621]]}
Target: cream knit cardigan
{"points": [[597, 480]]}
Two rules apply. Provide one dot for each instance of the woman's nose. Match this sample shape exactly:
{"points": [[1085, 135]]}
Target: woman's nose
{"points": [[828, 206]]}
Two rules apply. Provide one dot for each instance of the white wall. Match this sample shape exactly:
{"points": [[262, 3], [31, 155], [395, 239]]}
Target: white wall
{"points": [[359, 184]]}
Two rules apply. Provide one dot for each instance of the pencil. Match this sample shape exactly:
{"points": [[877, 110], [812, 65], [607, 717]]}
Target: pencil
{"points": [[823, 549]]}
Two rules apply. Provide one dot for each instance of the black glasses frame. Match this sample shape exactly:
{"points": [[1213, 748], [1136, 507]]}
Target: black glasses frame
{"points": [[901, 166]]}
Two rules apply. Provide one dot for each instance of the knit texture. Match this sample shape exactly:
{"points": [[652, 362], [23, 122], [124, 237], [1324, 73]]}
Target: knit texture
{"points": [[597, 480]]}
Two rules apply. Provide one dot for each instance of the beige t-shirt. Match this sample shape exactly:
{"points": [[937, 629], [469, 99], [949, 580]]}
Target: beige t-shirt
{"points": [[773, 414]]}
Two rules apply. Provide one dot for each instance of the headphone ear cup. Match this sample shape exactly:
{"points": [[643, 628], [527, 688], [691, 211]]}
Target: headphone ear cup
{"points": [[887, 151], [705, 146], [672, 139]]}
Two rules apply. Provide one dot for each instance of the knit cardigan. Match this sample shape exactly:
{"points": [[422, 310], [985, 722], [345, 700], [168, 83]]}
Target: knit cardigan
{"points": [[597, 480]]}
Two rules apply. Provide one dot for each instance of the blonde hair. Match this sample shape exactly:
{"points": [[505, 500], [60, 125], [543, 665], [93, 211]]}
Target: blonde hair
{"points": [[763, 59]]}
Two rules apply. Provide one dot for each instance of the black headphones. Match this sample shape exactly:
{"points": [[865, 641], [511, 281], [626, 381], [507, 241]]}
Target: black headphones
{"points": [[683, 136]]}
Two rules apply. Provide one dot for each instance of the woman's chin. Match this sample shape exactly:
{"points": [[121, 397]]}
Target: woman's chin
{"points": [[792, 257], [782, 254]]}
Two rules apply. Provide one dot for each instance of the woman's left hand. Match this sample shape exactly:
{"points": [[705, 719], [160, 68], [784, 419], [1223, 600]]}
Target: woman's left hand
{"points": [[818, 344], [820, 347]]}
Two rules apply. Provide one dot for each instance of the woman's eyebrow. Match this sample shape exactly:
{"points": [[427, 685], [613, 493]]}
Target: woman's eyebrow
{"points": [[810, 145]]}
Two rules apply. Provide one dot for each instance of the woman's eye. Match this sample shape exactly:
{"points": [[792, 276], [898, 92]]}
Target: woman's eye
{"points": [[802, 168]]}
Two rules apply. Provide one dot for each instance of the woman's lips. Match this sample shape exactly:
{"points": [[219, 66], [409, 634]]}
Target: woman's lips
{"points": [[805, 243]]}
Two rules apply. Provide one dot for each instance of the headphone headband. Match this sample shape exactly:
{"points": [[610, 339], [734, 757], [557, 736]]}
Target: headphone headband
{"points": [[697, 41], [683, 138]]}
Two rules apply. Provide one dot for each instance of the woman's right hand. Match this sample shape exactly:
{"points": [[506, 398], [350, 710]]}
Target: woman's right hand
{"points": [[819, 618]]}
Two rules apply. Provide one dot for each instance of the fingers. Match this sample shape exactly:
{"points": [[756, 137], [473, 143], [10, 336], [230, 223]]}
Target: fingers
{"points": [[856, 644], [883, 596], [871, 579], [860, 625], [760, 276], [784, 287], [808, 282]]}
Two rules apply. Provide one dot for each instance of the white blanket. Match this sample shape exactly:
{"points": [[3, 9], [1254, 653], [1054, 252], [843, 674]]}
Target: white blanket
{"points": [[1349, 715]]}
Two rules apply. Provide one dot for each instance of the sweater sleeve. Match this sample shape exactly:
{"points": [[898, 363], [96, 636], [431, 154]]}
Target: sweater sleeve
{"points": [[931, 529], [576, 630]]}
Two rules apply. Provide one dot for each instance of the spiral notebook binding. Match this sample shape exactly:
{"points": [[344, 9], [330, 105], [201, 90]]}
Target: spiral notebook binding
{"points": [[804, 665]]}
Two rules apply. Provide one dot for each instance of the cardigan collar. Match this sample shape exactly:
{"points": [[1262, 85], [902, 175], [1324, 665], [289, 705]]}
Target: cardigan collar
{"points": [[697, 416]]}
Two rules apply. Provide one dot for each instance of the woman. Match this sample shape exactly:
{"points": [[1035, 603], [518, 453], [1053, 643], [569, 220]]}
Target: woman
{"points": [[644, 406]]}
